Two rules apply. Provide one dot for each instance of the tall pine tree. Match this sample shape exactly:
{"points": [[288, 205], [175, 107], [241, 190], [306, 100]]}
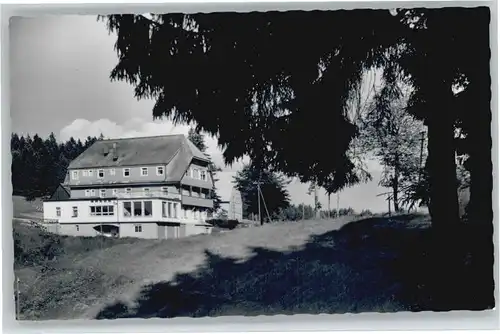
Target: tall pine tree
{"points": [[272, 187]]}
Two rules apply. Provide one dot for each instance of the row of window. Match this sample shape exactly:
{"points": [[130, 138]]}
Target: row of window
{"points": [[138, 209], [169, 209], [102, 192], [160, 170], [59, 212], [193, 193], [102, 210], [146, 191], [197, 173]]}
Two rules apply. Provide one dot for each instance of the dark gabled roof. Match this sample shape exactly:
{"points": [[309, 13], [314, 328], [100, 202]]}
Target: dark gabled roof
{"points": [[61, 193], [137, 151]]}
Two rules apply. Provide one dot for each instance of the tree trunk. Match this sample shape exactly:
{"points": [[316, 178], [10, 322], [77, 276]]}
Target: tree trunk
{"points": [[395, 186], [395, 190], [395, 198], [479, 209], [480, 160], [443, 205]]}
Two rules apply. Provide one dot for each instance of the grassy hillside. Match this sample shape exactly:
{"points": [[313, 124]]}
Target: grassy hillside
{"points": [[373, 264]]}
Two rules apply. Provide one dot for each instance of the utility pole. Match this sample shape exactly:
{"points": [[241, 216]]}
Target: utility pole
{"points": [[388, 199], [264, 202]]}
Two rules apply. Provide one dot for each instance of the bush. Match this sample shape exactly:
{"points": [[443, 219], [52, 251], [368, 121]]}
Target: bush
{"points": [[229, 224], [346, 212], [33, 246], [366, 213]]}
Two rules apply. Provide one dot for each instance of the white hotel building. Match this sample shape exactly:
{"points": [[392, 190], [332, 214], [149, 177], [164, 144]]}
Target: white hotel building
{"points": [[150, 187]]}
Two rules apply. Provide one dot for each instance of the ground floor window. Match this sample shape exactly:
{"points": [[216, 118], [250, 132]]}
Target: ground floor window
{"points": [[138, 228], [75, 211], [175, 210], [58, 212], [170, 209], [138, 208], [148, 208], [102, 210], [127, 209], [77, 228]]}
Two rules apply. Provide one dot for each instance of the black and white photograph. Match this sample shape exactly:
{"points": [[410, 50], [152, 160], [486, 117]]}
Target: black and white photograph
{"points": [[252, 163]]}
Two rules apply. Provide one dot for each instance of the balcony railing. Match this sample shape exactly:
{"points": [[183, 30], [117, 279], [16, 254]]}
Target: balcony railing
{"points": [[149, 194], [197, 201]]}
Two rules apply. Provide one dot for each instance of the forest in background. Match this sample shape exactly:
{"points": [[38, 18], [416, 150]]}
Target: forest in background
{"points": [[39, 164]]}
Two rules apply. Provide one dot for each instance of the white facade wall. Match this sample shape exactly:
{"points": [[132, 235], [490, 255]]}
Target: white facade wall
{"points": [[83, 224], [78, 230], [148, 231], [192, 229]]}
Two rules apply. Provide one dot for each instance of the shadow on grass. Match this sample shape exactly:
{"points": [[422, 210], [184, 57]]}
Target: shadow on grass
{"points": [[373, 265]]}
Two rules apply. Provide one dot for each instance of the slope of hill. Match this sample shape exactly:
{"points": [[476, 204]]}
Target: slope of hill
{"points": [[375, 264], [27, 209]]}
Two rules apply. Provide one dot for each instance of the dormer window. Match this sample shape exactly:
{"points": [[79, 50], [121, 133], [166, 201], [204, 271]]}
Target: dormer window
{"points": [[126, 172], [160, 170], [112, 171], [196, 173], [74, 175], [144, 171], [90, 172], [100, 173]]}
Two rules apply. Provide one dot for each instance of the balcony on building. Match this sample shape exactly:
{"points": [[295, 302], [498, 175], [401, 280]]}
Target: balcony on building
{"points": [[149, 194]]}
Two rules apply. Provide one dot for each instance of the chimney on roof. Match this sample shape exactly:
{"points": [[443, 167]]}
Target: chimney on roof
{"points": [[115, 152]]}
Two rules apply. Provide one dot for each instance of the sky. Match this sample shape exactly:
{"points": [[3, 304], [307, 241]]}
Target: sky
{"points": [[60, 68]]}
